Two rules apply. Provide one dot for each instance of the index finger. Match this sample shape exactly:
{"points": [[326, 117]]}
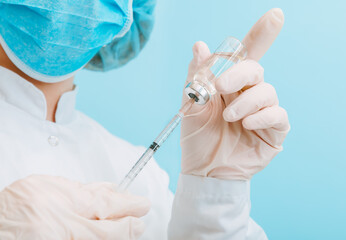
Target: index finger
{"points": [[262, 35]]}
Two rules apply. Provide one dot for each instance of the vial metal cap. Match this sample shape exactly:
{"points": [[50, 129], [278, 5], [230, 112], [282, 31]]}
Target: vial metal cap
{"points": [[196, 91]]}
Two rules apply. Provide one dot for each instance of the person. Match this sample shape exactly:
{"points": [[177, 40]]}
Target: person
{"points": [[58, 165]]}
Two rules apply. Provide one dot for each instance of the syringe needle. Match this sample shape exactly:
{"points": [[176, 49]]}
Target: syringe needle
{"points": [[161, 138]]}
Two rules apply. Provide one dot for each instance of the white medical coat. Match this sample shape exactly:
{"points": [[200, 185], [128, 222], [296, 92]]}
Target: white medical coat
{"points": [[78, 148]]}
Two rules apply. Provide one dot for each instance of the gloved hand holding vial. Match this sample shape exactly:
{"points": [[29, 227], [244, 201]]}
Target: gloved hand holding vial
{"points": [[200, 90], [237, 118], [242, 127]]}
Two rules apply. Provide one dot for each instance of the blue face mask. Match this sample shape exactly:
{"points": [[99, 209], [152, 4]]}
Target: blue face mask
{"points": [[51, 40]]}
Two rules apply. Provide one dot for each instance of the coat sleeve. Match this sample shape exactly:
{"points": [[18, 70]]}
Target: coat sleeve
{"points": [[213, 209]]}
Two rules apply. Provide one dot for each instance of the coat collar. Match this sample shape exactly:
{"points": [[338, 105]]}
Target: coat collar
{"points": [[22, 94]]}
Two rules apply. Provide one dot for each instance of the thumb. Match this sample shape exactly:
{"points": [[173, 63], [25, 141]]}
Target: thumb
{"points": [[201, 53]]}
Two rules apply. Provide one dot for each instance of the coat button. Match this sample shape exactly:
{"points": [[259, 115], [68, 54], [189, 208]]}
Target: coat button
{"points": [[53, 141]]}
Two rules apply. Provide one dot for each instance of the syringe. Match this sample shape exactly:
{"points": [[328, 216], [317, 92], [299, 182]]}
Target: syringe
{"points": [[161, 138], [199, 90]]}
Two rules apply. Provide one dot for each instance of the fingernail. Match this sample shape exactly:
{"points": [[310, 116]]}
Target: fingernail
{"points": [[247, 123], [197, 50], [278, 15], [219, 85], [231, 114]]}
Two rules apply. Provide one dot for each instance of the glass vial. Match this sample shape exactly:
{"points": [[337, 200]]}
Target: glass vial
{"points": [[202, 87]]}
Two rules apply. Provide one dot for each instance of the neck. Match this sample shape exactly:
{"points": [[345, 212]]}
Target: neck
{"points": [[51, 91]]}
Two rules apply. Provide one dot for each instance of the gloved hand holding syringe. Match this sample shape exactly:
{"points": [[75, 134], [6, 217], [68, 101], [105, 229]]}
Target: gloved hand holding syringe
{"points": [[200, 90]]}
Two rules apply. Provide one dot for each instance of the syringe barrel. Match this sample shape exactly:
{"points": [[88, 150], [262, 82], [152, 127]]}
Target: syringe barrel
{"points": [[161, 138], [230, 52], [136, 169]]}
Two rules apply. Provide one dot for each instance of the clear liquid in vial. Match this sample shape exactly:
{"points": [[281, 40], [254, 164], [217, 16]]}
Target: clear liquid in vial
{"points": [[213, 68]]}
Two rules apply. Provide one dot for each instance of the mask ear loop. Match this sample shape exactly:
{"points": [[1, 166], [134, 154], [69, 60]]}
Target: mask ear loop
{"points": [[128, 23]]}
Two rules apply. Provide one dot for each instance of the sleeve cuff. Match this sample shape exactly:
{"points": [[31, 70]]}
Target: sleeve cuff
{"points": [[213, 187]]}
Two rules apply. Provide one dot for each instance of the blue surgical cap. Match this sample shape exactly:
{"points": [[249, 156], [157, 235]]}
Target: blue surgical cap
{"points": [[121, 50]]}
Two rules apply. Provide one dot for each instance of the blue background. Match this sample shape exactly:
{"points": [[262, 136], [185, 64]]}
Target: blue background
{"points": [[302, 193]]}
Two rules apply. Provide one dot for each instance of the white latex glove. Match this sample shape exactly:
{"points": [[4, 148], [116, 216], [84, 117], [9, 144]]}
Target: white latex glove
{"points": [[49, 208], [240, 130]]}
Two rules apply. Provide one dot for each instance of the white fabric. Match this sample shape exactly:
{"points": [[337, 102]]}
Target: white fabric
{"points": [[212, 209], [78, 148]]}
